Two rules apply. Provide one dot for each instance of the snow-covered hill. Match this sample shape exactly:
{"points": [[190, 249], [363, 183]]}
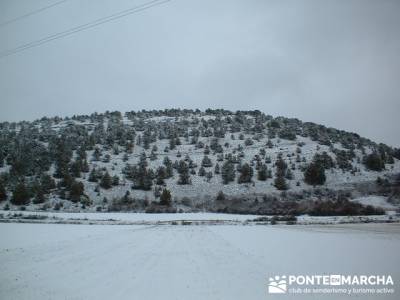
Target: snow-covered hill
{"points": [[187, 160]]}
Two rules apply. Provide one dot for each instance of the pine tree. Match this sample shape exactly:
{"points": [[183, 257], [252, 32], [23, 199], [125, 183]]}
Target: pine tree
{"points": [[153, 155], [246, 173], [314, 174], [21, 195], [93, 176], [3, 192], [161, 174], [142, 160], [63, 154], [184, 176], [84, 166], [147, 180], [96, 154], [172, 143], [66, 181], [374, 162], [165, 197], [280, 183], [47, 183], [220, 196], [169, 170], [81, 152], [202, 171], [217, 169], [206, 162], [75, 168], [207, 150], [209, 175], [228, 172], [248, 142], [106, 181], [76, 191], [262, 174], [39, 197], [281, 166]]}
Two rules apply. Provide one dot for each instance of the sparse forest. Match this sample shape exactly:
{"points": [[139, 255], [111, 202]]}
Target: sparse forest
{"points": [[183, 160]]}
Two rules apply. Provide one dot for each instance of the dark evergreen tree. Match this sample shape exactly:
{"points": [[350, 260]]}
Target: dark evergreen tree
{"points": [[280, 183], [147, 139], [81, 152], [153, 155], [207, 150], [66, 181], [76, 191], [248, 142], [148, 180], [220, 196], [281, 166], [374, 162], [47, 183], [228, 172], [206, 162], [84, 166], [161, 174], [324, 160], [246, 173], [202, 171], [106, 181], [217, 169], [76, 168], [40, 196], [314, 174], [93, 177], [21, 194], [169, 170], [3, 192], [143, 160], [184, 176], [165, 197], [96, 154], [141, 176], [172, 143], [209, 175], [262, 173]]}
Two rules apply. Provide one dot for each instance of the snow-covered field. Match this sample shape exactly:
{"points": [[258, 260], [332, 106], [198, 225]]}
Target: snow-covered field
{"points": [[51, 261], [134, 217], [177, 218]]}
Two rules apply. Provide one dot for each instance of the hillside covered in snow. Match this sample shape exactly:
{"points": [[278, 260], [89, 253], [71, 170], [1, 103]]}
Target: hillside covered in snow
{"points": [[190, 160]]}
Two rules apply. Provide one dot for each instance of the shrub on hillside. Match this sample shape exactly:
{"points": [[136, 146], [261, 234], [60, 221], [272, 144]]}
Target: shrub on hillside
{"points": [[314, 174], [374, 162]]}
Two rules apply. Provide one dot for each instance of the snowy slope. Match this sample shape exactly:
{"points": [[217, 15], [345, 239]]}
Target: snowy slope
{"points": [[309, 140]]}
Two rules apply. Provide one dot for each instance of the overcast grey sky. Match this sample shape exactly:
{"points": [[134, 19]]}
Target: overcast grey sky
{"points": [[331, 62]]}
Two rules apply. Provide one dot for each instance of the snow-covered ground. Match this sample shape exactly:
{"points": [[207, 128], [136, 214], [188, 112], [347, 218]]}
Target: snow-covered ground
{"points": [[376, 201], [48, 261], [133, 217], [165, 218]]}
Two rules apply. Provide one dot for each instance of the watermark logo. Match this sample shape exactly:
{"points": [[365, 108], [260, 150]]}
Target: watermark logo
{"points": [[331, 284], [277, 285]]}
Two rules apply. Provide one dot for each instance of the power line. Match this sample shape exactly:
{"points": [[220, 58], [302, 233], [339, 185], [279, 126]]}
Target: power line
{"points": [[31, 13], [82, 27]]}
